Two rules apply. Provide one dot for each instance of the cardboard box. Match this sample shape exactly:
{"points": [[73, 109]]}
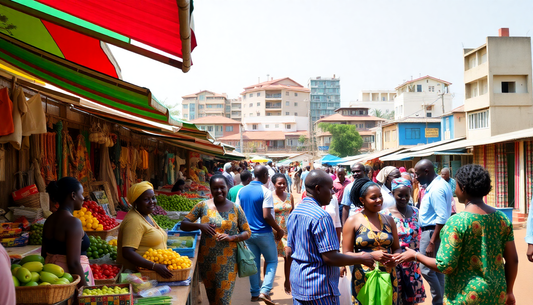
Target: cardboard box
{"points": [[115, 299], [25, 192]]}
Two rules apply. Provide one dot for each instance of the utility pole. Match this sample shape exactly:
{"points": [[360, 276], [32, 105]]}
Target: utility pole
{"points": [[442, 102]]}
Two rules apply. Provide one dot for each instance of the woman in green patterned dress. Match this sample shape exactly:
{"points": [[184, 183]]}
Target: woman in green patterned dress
{"points": [[223, 224], [477, 252]]}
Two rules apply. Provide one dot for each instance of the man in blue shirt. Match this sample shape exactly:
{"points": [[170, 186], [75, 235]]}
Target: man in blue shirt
{"points": [[304, 175], [258, 205], [435, 209], [348, 208], [313, 247]]}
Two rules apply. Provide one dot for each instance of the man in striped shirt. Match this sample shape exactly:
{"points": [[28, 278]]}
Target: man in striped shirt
{"points": [[314, 248]]}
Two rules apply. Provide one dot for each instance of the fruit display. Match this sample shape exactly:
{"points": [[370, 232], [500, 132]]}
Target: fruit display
{"points": [[106, 291], [167, 257], [112, 242], [32, 272], [98, 212], [104, 271], [36, 234], [165, 222], [88, 221], [175, 203], [99, 248], [195, 186], [159, 211], [180, 241]]}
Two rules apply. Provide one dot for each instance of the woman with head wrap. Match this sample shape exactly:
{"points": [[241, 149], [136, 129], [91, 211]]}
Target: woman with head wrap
{"points": [[139, 232], [384, 178], [372, 232], [410, 283]]}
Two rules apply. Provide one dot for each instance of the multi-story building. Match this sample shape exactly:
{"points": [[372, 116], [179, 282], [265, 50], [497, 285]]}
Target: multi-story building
{"points": [[409, 132], [426, 96], [498, 96], [379, 101], [453, 124], [218, 126], [325, 96], [357, 116], [236, 108], [205, 103], [276, 97], [285, 123]]}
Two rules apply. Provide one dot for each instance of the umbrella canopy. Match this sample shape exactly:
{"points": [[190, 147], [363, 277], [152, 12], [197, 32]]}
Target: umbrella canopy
{"points": [[331, 160], [260, 159]]}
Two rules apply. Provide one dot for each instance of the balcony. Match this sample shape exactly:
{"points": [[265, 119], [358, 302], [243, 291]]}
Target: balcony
{"points": [[238, 106], [275, 96], [276, 106]]}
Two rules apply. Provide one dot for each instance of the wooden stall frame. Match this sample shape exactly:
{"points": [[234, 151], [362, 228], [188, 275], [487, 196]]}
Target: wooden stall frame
{"points": [[95, 186]]}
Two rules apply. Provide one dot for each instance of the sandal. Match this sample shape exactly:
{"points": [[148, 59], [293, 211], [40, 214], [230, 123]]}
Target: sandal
{"points": [[265, 298], [254, 299]]}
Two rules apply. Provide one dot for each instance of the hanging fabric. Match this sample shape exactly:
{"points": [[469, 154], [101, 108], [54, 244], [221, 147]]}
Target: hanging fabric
{"points": [[19, 109], [34, 121], [2, 163], [84, 173], [59, 128], [6, 113], [501, 177], [107, 174], [69, 161], [171, 168]]}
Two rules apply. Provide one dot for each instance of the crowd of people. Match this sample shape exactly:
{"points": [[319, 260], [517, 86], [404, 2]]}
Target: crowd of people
{"points": [[398, 221], [402, 223]]}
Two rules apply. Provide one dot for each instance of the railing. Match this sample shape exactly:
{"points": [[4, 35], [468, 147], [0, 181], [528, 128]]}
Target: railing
{"points": [[277, 95], [273, 106]]}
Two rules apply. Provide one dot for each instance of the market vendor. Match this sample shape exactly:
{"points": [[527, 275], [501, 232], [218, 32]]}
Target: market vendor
{"points": [[139, 232], [64, 241], [179, 186]]}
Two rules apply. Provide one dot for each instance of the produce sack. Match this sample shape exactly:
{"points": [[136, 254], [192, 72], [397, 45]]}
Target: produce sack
{"points": [[245, 260], [345, 288], [377, 289]]}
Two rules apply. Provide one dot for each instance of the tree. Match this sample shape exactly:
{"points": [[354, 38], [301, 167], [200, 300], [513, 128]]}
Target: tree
{"points": [[345, 140], [388, 115], [302, 139]]}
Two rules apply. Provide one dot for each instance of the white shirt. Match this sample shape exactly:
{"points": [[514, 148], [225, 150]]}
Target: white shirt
{"points": [[333, 210], [388, 198]]}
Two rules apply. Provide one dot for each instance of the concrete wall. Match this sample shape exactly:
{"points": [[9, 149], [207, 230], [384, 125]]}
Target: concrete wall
{"points": [[286, 101], [447, 128], [459, 124], [404, 129], [276, 123], [390, 136], [410, 104]]}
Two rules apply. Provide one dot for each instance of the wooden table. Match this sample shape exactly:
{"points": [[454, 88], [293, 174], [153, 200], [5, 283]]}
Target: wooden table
{"points": [[24, 251], [189, 295]]}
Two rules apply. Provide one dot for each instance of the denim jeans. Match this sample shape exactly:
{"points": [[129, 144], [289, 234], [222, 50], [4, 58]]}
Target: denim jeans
{"points": [[263, 243], [434, 279]]}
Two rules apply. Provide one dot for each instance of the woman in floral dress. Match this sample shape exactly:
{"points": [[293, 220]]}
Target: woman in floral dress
{"points": [[372, 232], [410, 282], [477, 253], [223, 224], [283, 206]]}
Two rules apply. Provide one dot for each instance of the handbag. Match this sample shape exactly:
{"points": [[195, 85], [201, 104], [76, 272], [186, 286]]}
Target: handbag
{"points": [[377, 289], [245, 260]]}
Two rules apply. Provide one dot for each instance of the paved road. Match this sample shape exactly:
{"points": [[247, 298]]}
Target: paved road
{"points": [[522, 289]]}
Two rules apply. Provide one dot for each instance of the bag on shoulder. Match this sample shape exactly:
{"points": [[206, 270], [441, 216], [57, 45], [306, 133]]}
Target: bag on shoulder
{"points": [[245, 260]]}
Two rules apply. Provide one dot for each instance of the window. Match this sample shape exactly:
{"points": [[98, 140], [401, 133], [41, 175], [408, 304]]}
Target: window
{"points": [[254, 126], [277, 125], [295, 94], [287, 93], [251, 114], [185, 106], [418, 88], [428, 114], [447, 123], [478, 120], [244, 97], [295, 104], [258, 114], [193, 116], [287, 113], [200, 106], [431, 88], [387, 136], [251, 94], [296, 113], [267, 126], [228, 108], [220, 106], [185, 116], [201, 97], [258, 93], [259, 104], [287, 103], [251, 104], [287, 126], [209, 128], [229, 128], [412, 133], [508, 87]]}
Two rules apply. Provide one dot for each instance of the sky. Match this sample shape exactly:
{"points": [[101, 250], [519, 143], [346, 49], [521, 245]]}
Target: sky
{"points": [[370, 45]]}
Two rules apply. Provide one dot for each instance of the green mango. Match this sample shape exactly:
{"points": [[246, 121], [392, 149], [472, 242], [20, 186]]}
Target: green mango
{"points": [[13, 266], [32, 258], [34, 266], [48, 277], [55, 269], [14, 271], [35, 276], [24, 275], [61, 281], [15, 281], [44, 283], [68, 276], [31, 283]]}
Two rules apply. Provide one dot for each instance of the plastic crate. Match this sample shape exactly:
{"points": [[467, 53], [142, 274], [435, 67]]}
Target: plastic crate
{"points": [[176, 229], [189, 252]]}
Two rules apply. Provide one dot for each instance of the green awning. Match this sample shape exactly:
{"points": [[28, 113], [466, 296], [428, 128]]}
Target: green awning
{"points": [[84, 82]]}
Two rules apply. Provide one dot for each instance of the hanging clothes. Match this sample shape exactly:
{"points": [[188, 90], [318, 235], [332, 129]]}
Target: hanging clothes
{"points": [[83, 170], [2, 163], [59, 128], [171, 168], [107, 174], [34, 121], [6, 113], [19, 109], [48, 157], [69, 161]]}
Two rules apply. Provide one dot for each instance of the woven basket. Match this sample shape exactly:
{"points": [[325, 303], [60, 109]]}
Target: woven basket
{"points": [[177, 275], [31, 201], [46, 294], [104, 234], [109, 281]]}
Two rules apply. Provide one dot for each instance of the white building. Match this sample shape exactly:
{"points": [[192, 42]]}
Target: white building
{"points": [[289, 123], [380, 100], [426, 96]]}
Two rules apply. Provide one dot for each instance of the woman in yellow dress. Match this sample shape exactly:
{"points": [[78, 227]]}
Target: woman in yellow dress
{"points": [[139, 232]]}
